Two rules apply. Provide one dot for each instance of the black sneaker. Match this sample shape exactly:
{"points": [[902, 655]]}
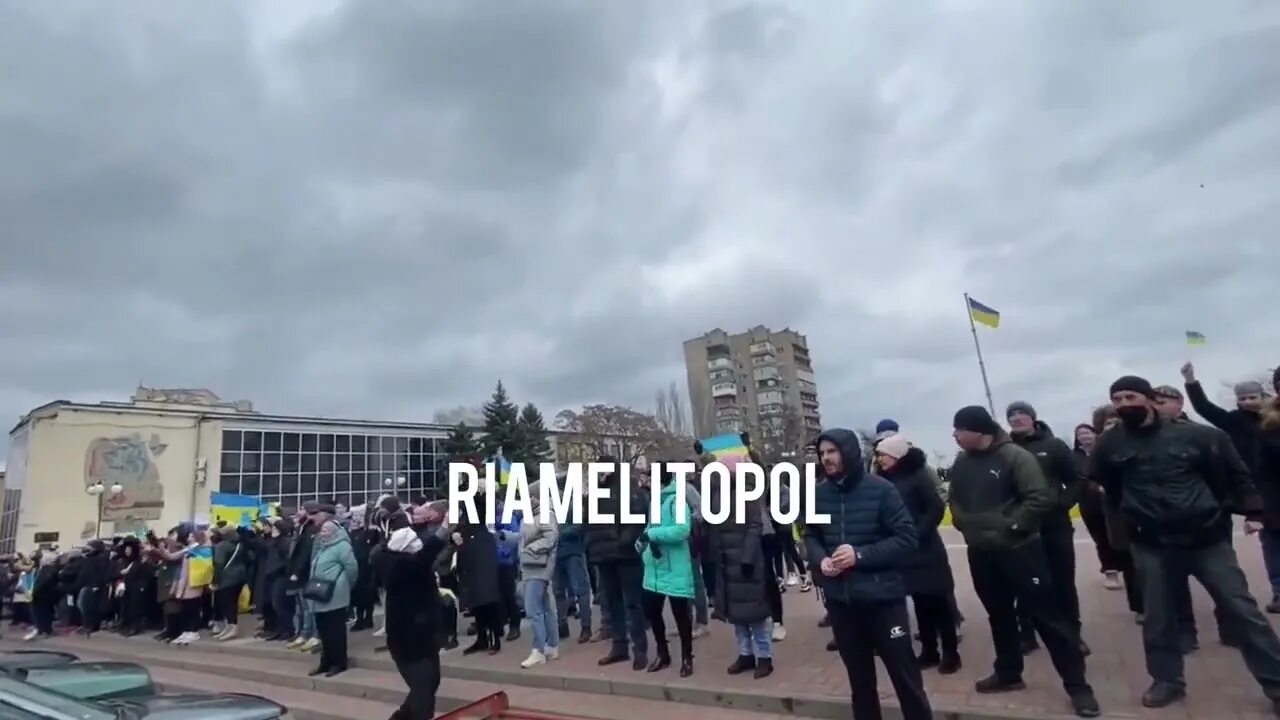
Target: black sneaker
{"points": [[513, 635], [1085, 704], [764, 668], [613, 658], [927, 661], [742, 664], [950, 665], [831, 646], [1162, 694], [584, 637], [993, 684]]}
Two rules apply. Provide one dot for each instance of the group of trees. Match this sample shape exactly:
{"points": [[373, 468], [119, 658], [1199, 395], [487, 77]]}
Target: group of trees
{"points": [[584, 435], [520, 433]]}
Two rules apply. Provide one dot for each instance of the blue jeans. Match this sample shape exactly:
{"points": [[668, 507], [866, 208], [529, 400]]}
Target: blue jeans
{"points": [[571, 585], [542, 619], [755, 640], [621, 584], [304, 618], [1270, 540]]}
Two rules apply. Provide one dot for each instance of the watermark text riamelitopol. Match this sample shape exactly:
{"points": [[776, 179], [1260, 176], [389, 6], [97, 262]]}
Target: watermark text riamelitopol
{"points": [[606, 493]]}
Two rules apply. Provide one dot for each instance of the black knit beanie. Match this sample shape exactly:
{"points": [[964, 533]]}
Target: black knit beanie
{"points": [[1133, 383], [975, 418]]}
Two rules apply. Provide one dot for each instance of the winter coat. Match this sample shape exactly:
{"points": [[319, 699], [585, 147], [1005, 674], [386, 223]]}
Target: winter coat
{"points": [[615, 543], [46, 591], [1268, 478], [672, 573], [538, 540], [477, 566], [926, 570], [735, 548], [183, 589], [1176, 484], [998, 495], [571, 542], [1244, 428], [1060, 473], [333, 560], [867, 514], [412, 600], [231, 560], [362, 544], [300, 555], [94, 570]]}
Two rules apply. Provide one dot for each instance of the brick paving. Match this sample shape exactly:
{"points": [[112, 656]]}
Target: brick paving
{"points": [[808, 680]]}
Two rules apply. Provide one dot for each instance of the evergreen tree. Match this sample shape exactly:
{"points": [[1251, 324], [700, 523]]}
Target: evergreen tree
{"points": [[460, 442], [502, 425], [533, 431]]}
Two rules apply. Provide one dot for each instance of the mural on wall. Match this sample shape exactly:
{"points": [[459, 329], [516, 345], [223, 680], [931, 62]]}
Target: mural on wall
{"points": [[128, 461]]}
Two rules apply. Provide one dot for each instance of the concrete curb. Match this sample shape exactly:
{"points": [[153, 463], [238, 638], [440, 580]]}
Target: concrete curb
{"points": [[820, 707]]}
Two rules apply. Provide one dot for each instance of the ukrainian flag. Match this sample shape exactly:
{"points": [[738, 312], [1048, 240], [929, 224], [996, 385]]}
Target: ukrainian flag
{"points": [[504, 469], [982, 314], [1196, 338], [724, 446]]}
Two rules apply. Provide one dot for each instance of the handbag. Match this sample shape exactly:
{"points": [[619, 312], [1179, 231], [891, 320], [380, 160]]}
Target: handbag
{"points": [[320, 591]]}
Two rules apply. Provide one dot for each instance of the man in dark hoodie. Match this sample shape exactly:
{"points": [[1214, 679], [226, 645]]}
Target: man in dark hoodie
{"points": [[858, 557], [611, 548], [93, 581], [1176, 486], [310, 518], [998, 498], [1057, 534]]}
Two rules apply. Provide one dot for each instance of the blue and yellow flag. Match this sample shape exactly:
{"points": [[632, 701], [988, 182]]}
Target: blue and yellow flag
{"points": [[724, 446], [982, 314], [503, 468], [1196, 338]]}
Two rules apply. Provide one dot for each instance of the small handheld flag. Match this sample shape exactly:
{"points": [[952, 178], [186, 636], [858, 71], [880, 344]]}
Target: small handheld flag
{"points": [[1196, 338], [983, 314]]}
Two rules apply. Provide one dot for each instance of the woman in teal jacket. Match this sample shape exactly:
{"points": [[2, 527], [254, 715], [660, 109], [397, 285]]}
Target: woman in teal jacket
{"points": [[668, 575], [333, 566]]}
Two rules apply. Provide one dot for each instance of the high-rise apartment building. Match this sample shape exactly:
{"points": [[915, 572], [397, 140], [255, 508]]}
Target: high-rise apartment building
{"points": [[760, 381]]}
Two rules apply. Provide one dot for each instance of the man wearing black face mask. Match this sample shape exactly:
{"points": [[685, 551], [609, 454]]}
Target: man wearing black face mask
{"points": [[1176, 486]]}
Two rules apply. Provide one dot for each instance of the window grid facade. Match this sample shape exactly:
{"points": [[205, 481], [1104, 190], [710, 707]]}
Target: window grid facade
{"points": [[293, 467]]}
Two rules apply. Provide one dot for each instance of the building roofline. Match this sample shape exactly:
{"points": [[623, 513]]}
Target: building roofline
{"points": [[229, 415]]}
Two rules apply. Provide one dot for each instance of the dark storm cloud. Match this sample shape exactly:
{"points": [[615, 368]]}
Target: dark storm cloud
{"points": [[377, 209]]}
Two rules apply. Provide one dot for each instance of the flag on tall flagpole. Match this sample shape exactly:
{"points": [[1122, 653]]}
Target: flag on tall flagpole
{"points": [[1196, 338], [983, 314]]}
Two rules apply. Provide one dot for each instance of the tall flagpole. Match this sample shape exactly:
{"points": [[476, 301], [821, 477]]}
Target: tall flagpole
{"points": [[982, 366]]}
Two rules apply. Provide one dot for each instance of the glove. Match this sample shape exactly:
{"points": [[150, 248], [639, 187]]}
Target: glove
{"points": [[748, 570]]}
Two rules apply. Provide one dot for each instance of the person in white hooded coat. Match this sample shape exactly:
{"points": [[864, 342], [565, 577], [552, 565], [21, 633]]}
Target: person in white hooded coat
{"points": [[538, 538]]}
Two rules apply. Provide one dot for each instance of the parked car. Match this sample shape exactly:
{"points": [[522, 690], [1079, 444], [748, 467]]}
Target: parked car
{"points": [[67, 674], [23, 701]]}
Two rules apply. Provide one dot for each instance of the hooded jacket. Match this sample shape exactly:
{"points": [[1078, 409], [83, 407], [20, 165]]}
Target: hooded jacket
{"points": [[926, 569], [670, 571], [1060, 473], [538, 542], [333, 560], [412, 599], [998, 495], [866, 513], [231, 560], [738, 556]]}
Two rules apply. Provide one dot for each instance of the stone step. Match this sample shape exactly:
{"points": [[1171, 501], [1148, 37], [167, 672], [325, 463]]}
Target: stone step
{"points": [[362, 692]]}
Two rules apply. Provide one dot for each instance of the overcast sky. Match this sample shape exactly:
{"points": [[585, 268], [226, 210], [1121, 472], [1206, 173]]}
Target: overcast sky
{"points": [[377, 209]]}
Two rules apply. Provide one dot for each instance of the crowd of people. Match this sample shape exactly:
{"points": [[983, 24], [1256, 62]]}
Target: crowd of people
{"points": [[1156, 490]]}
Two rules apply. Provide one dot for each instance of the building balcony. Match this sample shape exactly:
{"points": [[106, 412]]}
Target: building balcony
{"points": [[768, 409], [766, 373], [763, 348], [724, 390], [721, 363]]}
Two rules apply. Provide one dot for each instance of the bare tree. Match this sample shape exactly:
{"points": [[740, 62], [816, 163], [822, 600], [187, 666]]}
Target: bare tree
{"points": [[671, 412], [628, 434]]}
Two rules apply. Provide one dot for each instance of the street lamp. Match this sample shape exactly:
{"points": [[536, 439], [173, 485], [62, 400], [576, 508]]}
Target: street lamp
{"points": [[102, 492], [389, 483]]}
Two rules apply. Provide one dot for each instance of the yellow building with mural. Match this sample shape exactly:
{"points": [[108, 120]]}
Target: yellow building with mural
{"points": [[76, 470]]}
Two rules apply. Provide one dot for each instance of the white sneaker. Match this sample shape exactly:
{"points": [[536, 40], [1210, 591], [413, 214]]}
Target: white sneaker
{"points": [[31, 635], [551, 653], [185, 638], [779, 632], [793, 580], [806, 585], [380, 632], [227, 634], [295, 643], [535, 658], [1111, 580], [310, 645], [699, 631]]}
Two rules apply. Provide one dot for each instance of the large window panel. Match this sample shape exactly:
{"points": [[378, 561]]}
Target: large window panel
{"points": [[342, 443], [342, 482], [309, 462], [324, 485], [357, 443], [231, 440], [309, 442], [271, 483], [326, 443], [307, 485], [357, 462], [229, 483], [230, 462], [290, 462], [271, 441], [292, 442], [252, 441], [289, 486], [270, 462], [250, 462], [326, 462], [251, 484]]}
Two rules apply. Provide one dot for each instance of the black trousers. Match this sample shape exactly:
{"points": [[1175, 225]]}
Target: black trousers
{"points": [[331, 626], [862, 632], [680, 610], [1021, 575], [936, 623], [1060, 558], [227, 603], [423, 678], [507, 594], [773, 558], [1095, 521], [1163, 572]]}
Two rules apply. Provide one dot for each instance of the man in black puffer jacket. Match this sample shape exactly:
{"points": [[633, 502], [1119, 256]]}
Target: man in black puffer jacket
{"points": [[857, 558], [1056, 531], [611, 549]]}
